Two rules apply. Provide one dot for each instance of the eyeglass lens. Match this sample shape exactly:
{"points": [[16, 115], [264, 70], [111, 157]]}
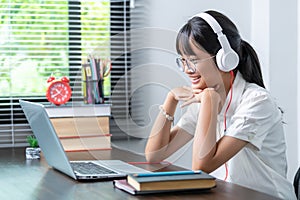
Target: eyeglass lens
{"points": [[184, 63]]}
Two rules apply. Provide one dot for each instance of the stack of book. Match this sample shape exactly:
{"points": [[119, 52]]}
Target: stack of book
{"points": [[82, 128], [173, 181]]}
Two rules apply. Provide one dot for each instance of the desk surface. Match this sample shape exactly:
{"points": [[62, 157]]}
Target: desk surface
{"points": [[34, 179]]}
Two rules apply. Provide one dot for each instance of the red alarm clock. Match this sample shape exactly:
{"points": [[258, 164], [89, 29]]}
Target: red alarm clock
{"points": [[58, 90]]}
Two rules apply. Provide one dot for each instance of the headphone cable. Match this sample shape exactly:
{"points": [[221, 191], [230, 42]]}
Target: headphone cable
{"points": [[225, 127]]}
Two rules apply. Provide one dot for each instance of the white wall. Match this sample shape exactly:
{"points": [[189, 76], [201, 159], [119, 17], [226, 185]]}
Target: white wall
{"points": [[283, 70], [274, 34], [270, 26]]}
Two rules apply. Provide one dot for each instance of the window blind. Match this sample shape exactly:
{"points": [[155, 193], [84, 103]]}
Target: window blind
{"points": [[127, 105], [43, 38], [120, 55]]}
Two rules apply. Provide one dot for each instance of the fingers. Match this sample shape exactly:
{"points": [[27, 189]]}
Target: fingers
{"points": [[184, 97], [197, 91], [188, 102], [187, 88], [182, 93], [196, 97], [212, 89], [190, 95]]}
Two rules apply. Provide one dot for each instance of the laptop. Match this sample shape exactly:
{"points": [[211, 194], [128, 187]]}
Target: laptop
{"points": [[56, 157]]}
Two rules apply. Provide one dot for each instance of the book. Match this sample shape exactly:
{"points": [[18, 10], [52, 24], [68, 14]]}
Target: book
{"points": [[84, 143], [79, 110], [123, 185], [171, 181], [80, 126]]}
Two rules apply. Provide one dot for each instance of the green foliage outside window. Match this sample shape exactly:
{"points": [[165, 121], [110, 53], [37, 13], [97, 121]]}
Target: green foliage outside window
{"points": [[34, 42]]}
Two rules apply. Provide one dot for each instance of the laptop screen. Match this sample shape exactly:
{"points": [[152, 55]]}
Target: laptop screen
{"points": [[48, 141]]}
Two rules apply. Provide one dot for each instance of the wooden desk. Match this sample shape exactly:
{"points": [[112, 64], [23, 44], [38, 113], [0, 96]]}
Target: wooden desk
{"points": [[33, 179]]}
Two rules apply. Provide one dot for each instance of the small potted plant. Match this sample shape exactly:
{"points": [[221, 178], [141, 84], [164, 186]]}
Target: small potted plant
{"points": [[33, 151]]}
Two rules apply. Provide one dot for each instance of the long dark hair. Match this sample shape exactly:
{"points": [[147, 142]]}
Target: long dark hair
{"points": [[198, 31]]}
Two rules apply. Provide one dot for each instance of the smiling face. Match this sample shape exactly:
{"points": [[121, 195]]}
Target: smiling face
{"points": [[206, 74]]}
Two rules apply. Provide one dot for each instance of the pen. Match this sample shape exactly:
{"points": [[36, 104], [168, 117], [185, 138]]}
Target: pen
{"points": [[143, 163], [167, 173]]}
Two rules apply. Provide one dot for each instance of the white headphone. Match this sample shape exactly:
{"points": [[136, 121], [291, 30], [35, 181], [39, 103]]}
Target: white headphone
{"points": [[227, 59]]}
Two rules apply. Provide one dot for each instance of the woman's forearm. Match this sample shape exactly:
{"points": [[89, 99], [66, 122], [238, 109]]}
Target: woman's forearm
{"points": [[160, 134], [204, 146]]}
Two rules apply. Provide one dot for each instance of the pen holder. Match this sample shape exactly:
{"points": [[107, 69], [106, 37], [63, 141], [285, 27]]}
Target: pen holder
{"points": [[93, 91]]}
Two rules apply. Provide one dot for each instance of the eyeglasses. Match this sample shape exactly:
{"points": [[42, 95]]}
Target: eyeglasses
{"points": [[190, 64]]}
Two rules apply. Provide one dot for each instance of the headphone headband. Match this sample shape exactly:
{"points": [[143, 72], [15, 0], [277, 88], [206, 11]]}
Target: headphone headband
{"points": [[227, 58], [211, 21]]}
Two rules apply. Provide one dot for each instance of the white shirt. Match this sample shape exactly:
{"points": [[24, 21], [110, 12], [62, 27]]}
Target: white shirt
{"points": [[253, 116]]}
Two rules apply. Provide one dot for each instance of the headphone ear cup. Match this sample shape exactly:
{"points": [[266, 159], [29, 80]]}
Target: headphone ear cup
{"points": [[227, 61], [219, 59]]}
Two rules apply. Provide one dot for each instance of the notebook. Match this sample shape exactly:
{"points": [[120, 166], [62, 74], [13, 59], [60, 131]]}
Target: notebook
{"points": [[56, 157]]}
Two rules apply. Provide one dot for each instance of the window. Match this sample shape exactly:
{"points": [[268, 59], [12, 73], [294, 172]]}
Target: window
{"points": [[43, 38]]}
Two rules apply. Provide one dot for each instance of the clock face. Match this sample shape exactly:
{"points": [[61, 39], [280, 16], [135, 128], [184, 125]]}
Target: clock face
{"points": [[58, 92]]}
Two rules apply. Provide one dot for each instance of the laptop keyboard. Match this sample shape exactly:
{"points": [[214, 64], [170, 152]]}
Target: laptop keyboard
{"points": [[90, 168]]}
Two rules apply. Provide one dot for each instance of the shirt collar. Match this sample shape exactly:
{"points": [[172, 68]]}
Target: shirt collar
{"points": [[237, 89]]}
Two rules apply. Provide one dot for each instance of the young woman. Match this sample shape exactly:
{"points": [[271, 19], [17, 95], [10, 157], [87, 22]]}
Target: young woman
{"points": [[231, 117]]}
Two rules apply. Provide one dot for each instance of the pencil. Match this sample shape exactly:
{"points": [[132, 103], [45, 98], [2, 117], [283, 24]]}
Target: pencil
{"points": [[169, 173]]}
